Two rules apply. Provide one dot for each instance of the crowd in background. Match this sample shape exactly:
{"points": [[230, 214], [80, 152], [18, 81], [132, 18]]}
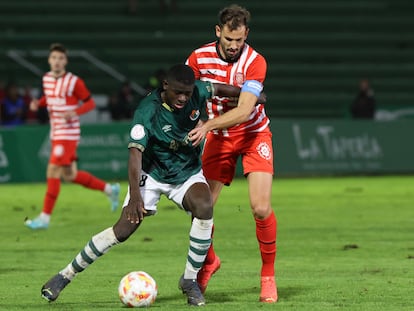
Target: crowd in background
{"points": [[15, 100], [14, 105], [121, 104]]}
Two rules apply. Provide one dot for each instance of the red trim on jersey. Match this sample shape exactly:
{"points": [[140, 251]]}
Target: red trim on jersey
{"points": [[87, 106]]}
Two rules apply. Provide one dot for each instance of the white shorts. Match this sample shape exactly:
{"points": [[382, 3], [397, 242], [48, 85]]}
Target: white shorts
{"points": [[151, 190]]}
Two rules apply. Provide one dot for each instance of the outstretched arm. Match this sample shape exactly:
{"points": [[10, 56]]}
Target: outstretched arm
{"points": [[226, 90], [249, 94], [234, 91]]}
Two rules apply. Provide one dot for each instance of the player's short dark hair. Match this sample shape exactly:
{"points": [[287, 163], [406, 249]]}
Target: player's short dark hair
{"points": [[234, 16], [58, 47], [181, 73]]}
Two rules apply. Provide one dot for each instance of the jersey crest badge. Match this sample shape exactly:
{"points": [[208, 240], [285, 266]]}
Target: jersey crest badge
{"points": [[194, 115], [263, 150], [239, 78]]}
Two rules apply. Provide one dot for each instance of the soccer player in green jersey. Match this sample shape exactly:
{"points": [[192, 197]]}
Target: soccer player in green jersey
{"points": [[162, 160]]}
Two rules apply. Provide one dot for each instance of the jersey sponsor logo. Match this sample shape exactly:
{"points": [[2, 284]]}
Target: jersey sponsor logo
{"points": [[263, 150], [167, 128], [194, 115], [137, 132]]}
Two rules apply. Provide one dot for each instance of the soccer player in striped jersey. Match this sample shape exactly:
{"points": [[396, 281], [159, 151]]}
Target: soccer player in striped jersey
{"points": [[162, 161], [238, 127], [62, 93]]}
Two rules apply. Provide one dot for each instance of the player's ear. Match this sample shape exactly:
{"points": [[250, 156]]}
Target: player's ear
{"points": [[218, 31], [164, 85], [246, 33]]}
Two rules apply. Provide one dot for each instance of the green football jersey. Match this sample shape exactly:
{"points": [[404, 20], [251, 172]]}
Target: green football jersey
{"points": [[161, 133]]}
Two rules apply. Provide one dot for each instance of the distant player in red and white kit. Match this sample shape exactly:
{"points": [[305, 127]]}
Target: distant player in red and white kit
{"points": [[62, 93], [238, 127]]}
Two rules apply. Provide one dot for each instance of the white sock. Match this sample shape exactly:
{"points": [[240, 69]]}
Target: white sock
{"points": [[108, 189], [68, 272], [100, 244], [44, 217], [200, 241]]}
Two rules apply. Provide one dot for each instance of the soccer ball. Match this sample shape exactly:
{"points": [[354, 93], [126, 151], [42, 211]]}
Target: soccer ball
{"points": [[137, 289]]}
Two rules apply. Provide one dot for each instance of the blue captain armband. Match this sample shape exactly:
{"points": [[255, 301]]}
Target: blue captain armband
{"points": [[252, 86]]}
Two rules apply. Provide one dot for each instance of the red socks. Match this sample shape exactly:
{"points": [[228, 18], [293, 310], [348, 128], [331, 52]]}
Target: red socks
{"points": [[266, 236], [89, 181], [52, 192], [53, 188]]}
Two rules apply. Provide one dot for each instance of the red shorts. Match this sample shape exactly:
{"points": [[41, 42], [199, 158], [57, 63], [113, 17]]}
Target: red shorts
{"points": [[221, 153], [63, 152]]}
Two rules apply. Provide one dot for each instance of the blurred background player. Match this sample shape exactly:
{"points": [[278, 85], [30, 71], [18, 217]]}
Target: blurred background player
{"points": [[243, 131], [62, 93]]}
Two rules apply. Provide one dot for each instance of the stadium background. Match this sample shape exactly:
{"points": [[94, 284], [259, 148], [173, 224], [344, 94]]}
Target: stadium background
{"points": [[317, 52]]}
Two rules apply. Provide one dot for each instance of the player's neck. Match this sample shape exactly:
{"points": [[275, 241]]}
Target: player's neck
{"points": [[58, 74]]}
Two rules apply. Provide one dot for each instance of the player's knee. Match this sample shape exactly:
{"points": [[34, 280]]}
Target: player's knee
{"points": [[261, 211], [203, 210], [124, 231], [67, 178]]}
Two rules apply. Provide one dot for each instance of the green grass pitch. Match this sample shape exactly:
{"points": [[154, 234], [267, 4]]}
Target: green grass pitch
{"points": [[343, 244]]}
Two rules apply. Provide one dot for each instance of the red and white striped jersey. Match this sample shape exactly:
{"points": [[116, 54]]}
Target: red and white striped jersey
{"points": [[208, 66], [60, 95]]}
